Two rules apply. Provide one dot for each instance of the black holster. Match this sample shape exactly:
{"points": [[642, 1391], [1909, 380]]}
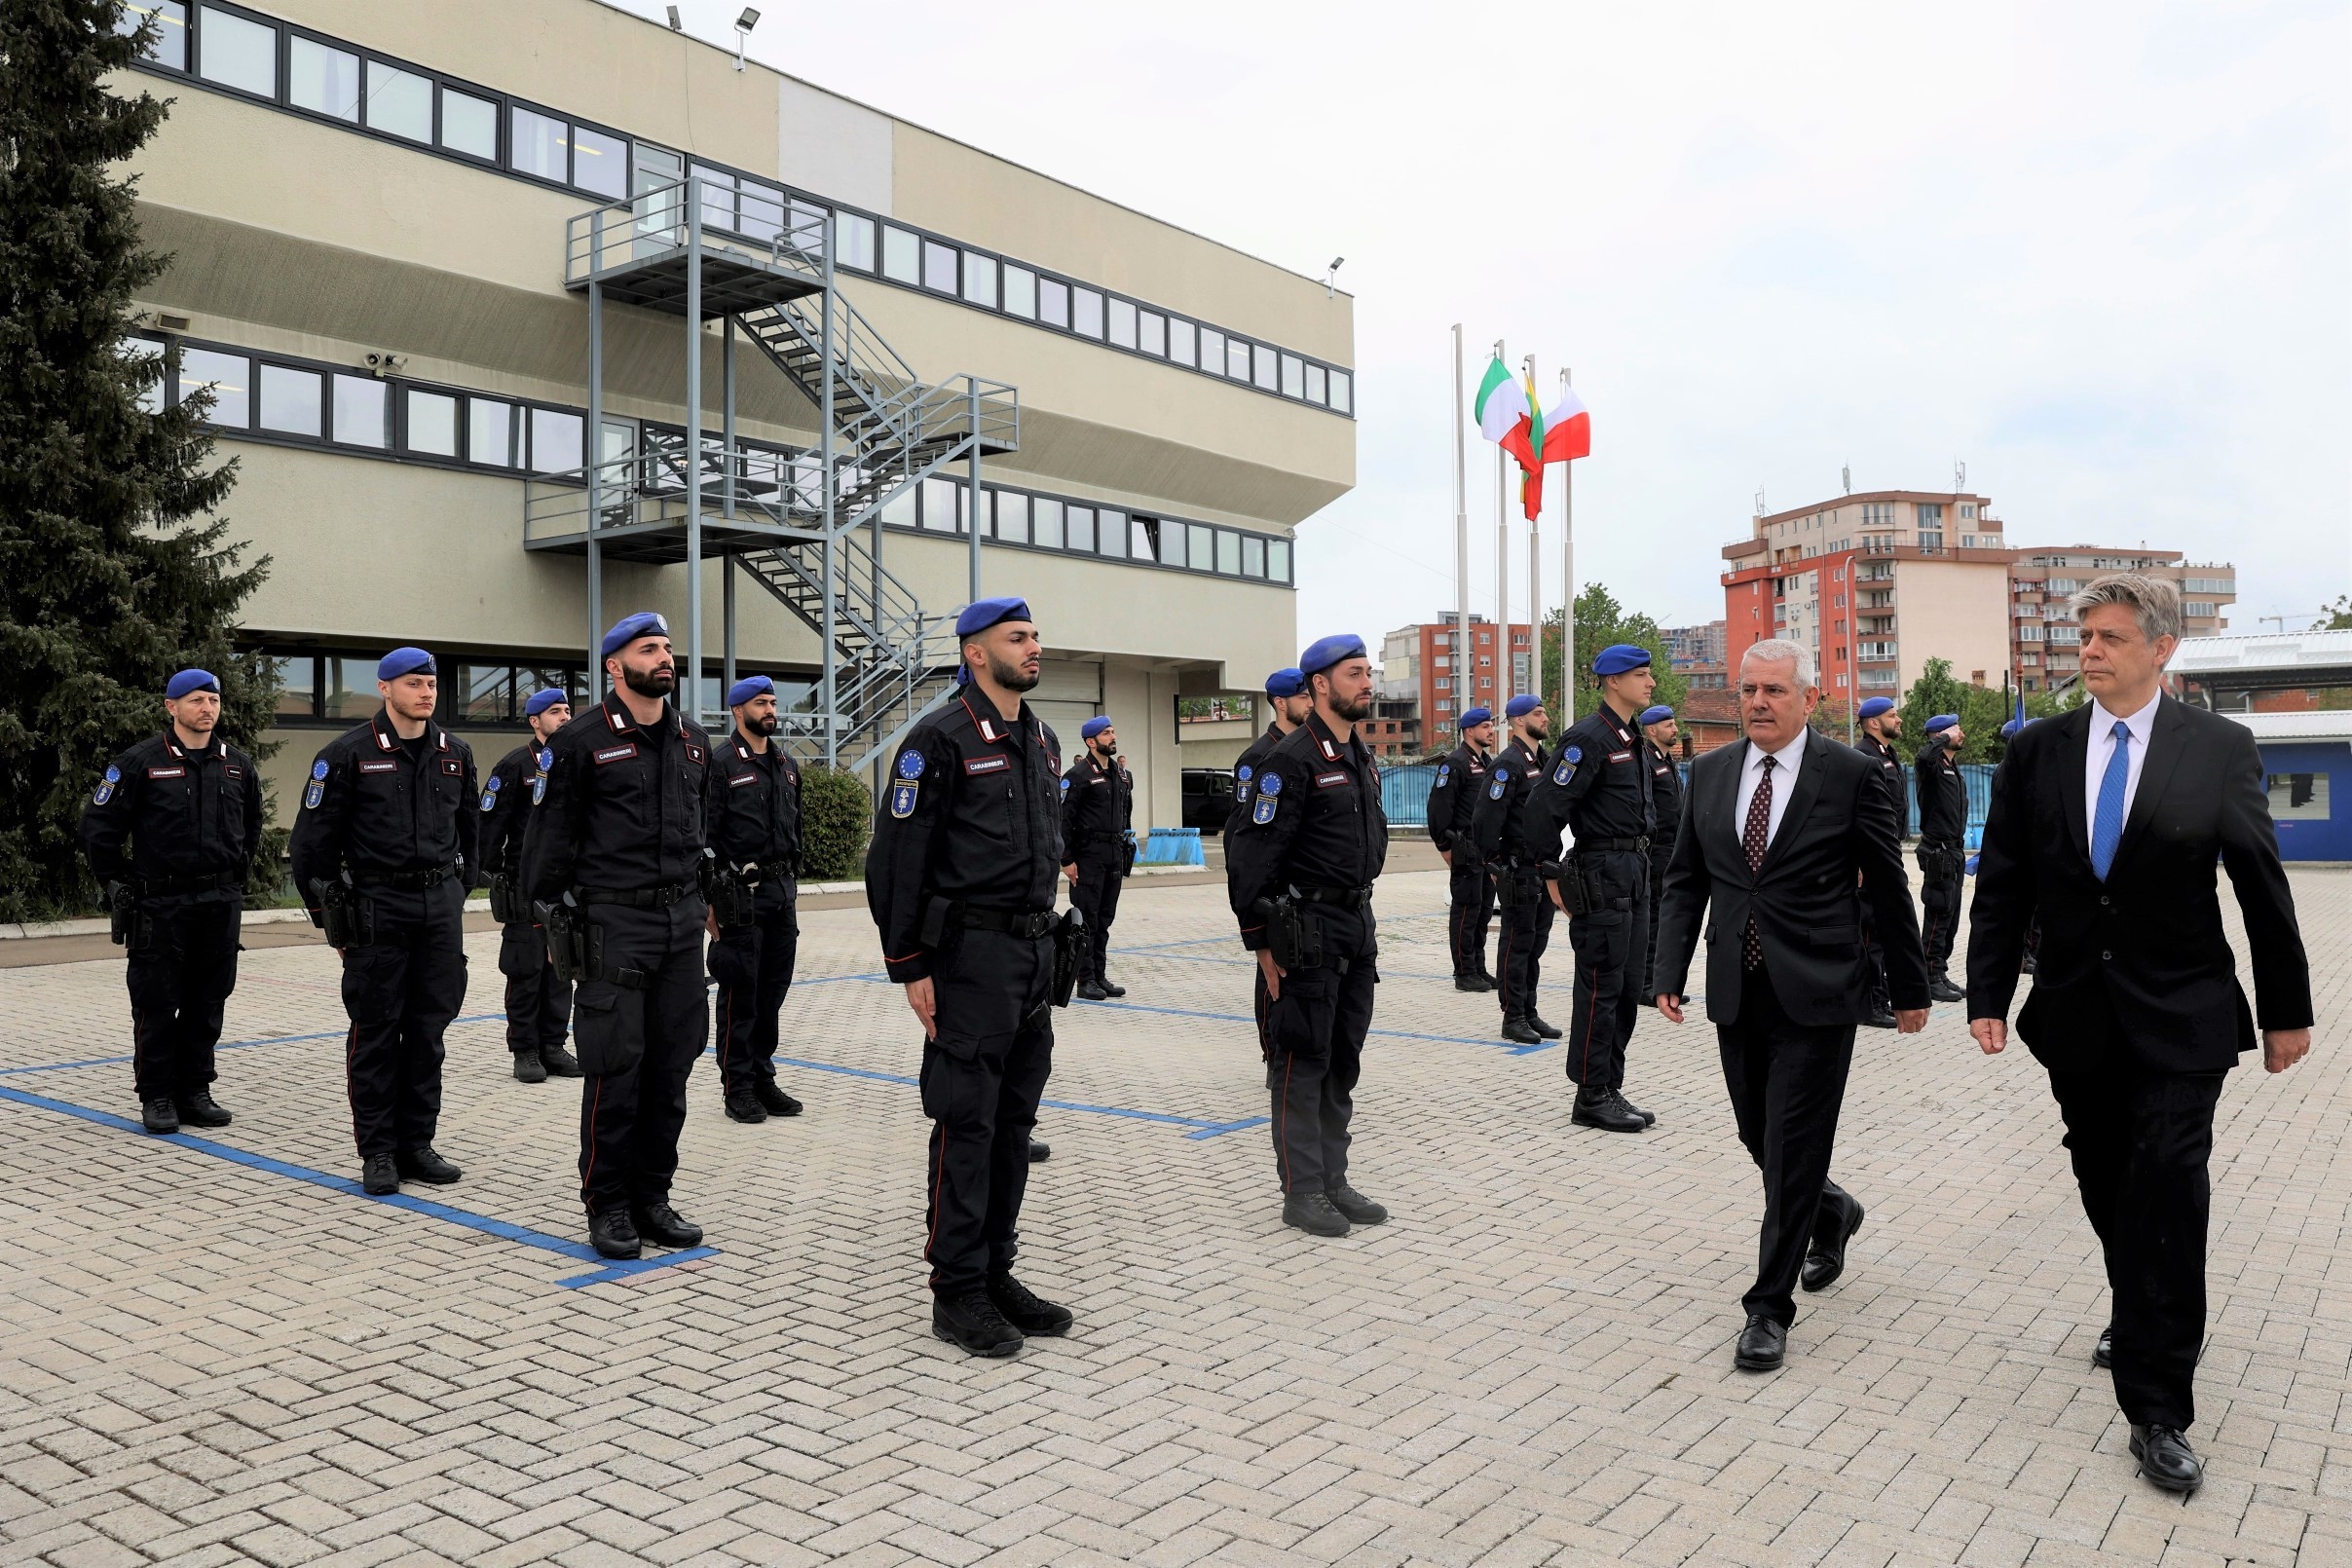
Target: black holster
{"points": [[1292, 935], [505, 907], [347, 919], [1127, 858], [731, 894], [125, 923], [1577, 894], [1070, 955], [560, 924]]}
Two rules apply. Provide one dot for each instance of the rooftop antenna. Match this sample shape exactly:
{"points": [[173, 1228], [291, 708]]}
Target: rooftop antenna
{"points": [[743, 26], [1759, 500], [1846, 475], [1960, 476]]}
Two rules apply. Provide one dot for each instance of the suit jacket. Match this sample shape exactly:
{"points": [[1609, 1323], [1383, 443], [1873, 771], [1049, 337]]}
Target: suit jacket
{"points": [[1808, 911], [2137, 968]]}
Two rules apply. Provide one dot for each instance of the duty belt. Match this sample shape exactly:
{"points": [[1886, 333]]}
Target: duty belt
{"points": [[1030, 924], [165, 886], [643, 898], [411, 881], [1629, 847], [1345, 898]]}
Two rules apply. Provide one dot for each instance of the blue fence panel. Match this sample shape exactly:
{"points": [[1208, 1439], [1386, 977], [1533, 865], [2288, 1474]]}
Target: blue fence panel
{"points": [[1404, 794]]}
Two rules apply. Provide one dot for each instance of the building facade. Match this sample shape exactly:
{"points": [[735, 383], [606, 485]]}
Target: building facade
{"points": [[437, 263], [1697, 654], [2044, 638], [1444, 673]]}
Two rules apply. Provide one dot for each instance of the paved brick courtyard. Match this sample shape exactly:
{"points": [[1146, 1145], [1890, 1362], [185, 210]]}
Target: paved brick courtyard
{"points": [[219, 1351]]}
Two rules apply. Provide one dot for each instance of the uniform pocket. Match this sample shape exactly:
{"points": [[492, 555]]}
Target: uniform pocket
{"points": [[608, 1026], [521, 953]]}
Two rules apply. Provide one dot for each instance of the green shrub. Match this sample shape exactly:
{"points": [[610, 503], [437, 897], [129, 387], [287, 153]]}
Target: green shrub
{"points": [[835, 814]]}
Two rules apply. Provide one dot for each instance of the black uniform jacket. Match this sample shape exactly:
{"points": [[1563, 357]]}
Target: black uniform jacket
{"points": [[1498, 826], [1244, 775], [187, 814], [2141, 955], [971, 812], [367, 806], [505, 807], [755, 807], [1942, 795], [1840, 821], [1454, 798], [1316, 822], [1597, 784], [625, 808], [1665, 805], [1097, 805], [1892, 770]]}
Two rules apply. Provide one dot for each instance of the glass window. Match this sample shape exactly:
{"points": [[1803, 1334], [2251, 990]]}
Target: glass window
{"points": [[1318, 386], [853, 241], [145, 356], [1140, 543], [1339, 391], [1045, 522], [1294, 376], [290, 399], [322, 80], [2298, 797], [490, 431], [360, 404], [350, 688], [939, 266], [469, 125], [1266, 369], [1172, 541], [297, 685], [1179, 341], [228, 376], [600, 164], [1012, 516], [901, 257], [1228, 552], [941, 507], [1081, 528], [1122, 323], [763, 213], [1254, 557], [170, 46], [1112, 531], [484, 695], [718, 195], [1203, 547], [538, 144], [237, 52], [556, 440], [400, 101], [900, 513], [980, 279], [432, 422], [1052, 302], [1212, 350], [1278, 559], [1237, 358], [1151, 333], [1086, 313], [1020, 292], [529, 677]]}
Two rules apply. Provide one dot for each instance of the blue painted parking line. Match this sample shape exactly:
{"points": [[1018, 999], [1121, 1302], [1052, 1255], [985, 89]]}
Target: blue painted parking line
{"points": [[233, 1045], [1201, 1129]]}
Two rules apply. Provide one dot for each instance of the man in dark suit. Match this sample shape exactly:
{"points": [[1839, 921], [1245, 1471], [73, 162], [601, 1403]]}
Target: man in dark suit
{"points": [[1785, 835], [2105, 823]]}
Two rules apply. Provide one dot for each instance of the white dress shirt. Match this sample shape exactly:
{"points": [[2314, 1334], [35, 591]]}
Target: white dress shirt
{"points": [[1785, 763], [2102, 747]]}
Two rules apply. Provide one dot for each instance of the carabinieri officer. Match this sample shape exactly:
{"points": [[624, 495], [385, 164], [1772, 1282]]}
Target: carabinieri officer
{"points": [[1097, 844], [189, 806], [1286, 694], [1943, 861], [961, 880], [1511, 845], [1880, 725], [1300, 874], [756, 829], [1453, 800], [381, 852], [613, 865], [539, 1000], [1665, 798]]}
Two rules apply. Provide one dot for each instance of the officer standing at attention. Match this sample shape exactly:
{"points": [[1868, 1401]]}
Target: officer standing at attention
{"points": [[613, 866], [1098, 846], [1453, 800], [1942, 859], [539, 1000], [754, 816], [1502, 835], [960, 880], [1881, 726], [1288, 695], [382, 852], [1600, 786], [1301, 874], [1665, 800], [189, 806]]}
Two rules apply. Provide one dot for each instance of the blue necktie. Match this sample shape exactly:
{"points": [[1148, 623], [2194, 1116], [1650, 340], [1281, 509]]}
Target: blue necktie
{"points": [[2107, 823]]}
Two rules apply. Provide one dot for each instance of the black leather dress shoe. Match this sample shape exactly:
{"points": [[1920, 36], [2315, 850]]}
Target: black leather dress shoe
{"points": [[613, 1236], [1603, 1111], [528, 1069], [1315, 1213], [378, 1176], [773, 1098], [1943, 991], [1881, 1018], [1549, 1032], [1519, 1031], [2166, 1459], [559, 1062], [1024, 1309], [196, 1109], [2102, 1354], [972, 1321], [1040, 1152], [1360, 1209], [1762, 1344], [744, 1106], [1825, 1259], [159, 1115], [1470, 983], [1109, 990], [1089, 992], [423, 1164], [658, 1223]]}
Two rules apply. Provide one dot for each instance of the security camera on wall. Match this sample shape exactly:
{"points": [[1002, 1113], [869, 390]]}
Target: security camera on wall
{"points": [[387, 364]]}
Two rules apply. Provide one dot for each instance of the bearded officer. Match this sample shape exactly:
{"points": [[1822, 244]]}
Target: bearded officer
{"points": [[379, 853], [539, 1000], [960, 880], [1660, 730], [1943, 861], [755, 816], [1500, 835], [1882, 725], [1288, 695], [189, 806], [1453, 800], [1098, 846]]}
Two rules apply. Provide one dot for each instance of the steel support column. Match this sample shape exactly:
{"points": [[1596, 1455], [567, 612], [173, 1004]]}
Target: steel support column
{"points": [[828, 691], [595, 446], [689, 685]]}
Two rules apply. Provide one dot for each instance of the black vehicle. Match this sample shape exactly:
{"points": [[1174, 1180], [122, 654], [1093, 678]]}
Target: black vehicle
{"points": [[1208, 797]]}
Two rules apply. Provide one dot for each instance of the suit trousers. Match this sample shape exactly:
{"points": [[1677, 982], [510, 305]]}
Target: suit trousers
{"points": [[1318, 1024], [1519, 949], [402, 989], [1787, 1083], [1882, 1000], [180, 971], [1661, 850], [639, 1025], [2141, 1143], [753, 965], [538, 1004], [1472, 911], [1097, 897], [1612, 959], [983, 1076]]}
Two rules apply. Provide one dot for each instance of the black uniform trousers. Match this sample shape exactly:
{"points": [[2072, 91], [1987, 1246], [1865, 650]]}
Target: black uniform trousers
{"points": [[1317, 1025], [1519, 949], [1940, 906], [1787, 1082], [1612, 948], [638, 1025], [182, 968], [984, 1073], [401, 988], [538, 1005], [1474, 904], [1096, 896], [2141, 1143], [752, 966]]}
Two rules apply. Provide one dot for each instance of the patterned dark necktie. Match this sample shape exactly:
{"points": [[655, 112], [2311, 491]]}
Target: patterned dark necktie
{"points": [[1753, 839]]}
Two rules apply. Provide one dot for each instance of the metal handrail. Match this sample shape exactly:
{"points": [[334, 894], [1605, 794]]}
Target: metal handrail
{"points": [[621, 234]]}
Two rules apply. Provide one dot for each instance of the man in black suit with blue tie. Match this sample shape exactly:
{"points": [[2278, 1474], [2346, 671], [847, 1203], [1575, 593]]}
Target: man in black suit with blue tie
{"points": [[1784, 838], [2107, 823]]}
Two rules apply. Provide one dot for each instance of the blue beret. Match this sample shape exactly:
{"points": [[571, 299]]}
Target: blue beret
{"points": [[187, 680], [1474, 717], [1286, 684], [1327, 651], [1874, 706], [404, 661], [1520, 706], [1094, 726], [2009, 730], [1618, 658], [540, 701], [750, 687], [1654, 713], [981, 614], [1942, 722], [628, 628]]}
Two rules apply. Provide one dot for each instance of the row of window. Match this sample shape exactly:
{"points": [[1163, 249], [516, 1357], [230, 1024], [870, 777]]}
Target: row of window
{"points": [[1082, 527], [251, 53]]}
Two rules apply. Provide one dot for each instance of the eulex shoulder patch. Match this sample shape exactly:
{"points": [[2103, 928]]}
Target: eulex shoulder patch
{"points": [[1263, 812], [1066, 783], [1241, 774], [105, 791], [313, 794], [910, 763], [1444, 771], [1561, 774], [490, 793], [539, 788], [902, 798], [1271, 784], [1576, 753], [1502, 779]]}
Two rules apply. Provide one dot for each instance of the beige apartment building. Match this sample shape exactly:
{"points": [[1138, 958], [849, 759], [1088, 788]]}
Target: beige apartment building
{"points": [[2045, 637], [422, 251]]}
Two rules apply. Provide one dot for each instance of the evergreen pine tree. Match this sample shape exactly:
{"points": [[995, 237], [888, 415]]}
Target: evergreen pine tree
{"points": [[114, 570]]}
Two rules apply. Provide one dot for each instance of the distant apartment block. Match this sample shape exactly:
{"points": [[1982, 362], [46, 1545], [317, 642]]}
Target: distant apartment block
{"points": [[2043, 637], [1433, 666], [1696, 653]]}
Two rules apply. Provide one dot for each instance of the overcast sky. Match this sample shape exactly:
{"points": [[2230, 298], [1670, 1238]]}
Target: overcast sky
{"points": [[2101, 252]]}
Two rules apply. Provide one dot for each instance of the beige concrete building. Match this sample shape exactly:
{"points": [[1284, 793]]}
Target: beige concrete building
{"points": [[421, 251], [2046, 639]]}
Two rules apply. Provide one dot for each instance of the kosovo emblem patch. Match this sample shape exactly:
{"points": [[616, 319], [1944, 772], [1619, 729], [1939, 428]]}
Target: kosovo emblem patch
{"points": [[1494, 791], [538, 789], [114, 776], [1564, 773], [1263, 812], [314, 794], [903, 793]]}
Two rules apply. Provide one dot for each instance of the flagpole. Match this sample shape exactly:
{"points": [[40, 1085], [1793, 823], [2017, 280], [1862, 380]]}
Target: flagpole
{"points": [[1567, 582], [1535, 569], [1502, 579], [1460, 639]]}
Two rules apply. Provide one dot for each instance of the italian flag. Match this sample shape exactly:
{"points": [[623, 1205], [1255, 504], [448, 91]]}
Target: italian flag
{"points": [[1509, 416]]}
